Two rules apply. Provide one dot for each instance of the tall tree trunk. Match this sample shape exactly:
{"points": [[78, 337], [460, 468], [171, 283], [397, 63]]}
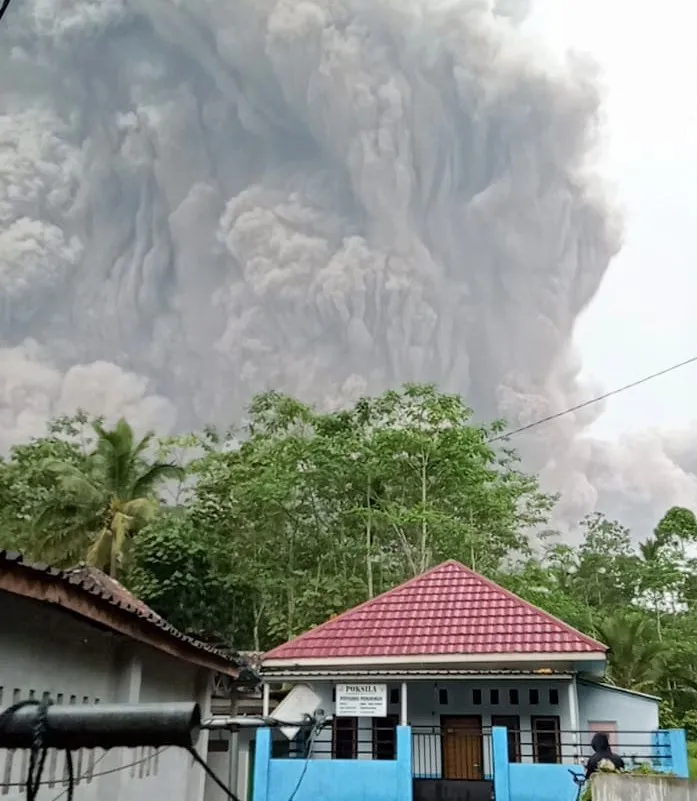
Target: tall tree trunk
{"points": [[369, 543], [423, 557]]}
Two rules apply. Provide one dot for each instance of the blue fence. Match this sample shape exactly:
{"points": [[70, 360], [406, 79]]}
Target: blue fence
{"points": [[527, 781], [515, 778], [333, 779]]}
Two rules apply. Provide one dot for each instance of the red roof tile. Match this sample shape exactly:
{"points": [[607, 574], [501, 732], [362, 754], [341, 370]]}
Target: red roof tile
{"points": [[450, 610]]}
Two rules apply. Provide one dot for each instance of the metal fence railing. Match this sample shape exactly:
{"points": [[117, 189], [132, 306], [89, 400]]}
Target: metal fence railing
{"points": [[343, 738], [441, 752], [462, 752]]}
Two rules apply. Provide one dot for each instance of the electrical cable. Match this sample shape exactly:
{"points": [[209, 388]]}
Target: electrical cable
{"points": [[90, 776], [308, 753], [3, 8], [211, 774], [38, 751], [38, 754], [592, 401]]}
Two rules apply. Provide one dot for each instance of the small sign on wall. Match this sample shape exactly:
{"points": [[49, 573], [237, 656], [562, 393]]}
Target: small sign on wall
{"points": [[361, 701]]}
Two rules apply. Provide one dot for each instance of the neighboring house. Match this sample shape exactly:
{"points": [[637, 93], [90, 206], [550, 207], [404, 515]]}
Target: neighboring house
{"points": [[451, 686], [79, 637]]}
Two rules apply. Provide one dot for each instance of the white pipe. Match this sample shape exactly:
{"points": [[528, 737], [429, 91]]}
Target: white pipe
{"points": [[403, 717], [250, 721]]}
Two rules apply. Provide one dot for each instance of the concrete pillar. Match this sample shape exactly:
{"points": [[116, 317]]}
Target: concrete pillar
{"points": [[262, 757], [403, 701], [499, 754], [679, 764], [234, 746], [203, 688], [266, 702], [127, 678], [574, 716], [405, 781]]}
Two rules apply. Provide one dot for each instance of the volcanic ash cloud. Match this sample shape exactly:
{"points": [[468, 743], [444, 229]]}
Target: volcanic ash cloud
{"points": [[328, 197]]}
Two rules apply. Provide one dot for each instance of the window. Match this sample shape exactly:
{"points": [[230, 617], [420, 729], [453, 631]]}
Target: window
{"points": [[384, 737], [344, 738], [513, 697], [554, 697], [394, 696], [546, 742], [476, 697], [443, 697], [512, 723], [534, 697], [493, 697]]}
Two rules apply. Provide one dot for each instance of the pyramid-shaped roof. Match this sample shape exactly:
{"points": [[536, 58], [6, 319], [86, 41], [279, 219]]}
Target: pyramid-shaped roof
{"points": [[449, 610]]}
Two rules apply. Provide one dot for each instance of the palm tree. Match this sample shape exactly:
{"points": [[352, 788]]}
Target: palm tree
{"points": [[636, 655], [98, 506]]}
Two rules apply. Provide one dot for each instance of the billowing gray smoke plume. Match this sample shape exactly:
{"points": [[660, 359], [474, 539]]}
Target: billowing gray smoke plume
{"points": [[201, 199]]}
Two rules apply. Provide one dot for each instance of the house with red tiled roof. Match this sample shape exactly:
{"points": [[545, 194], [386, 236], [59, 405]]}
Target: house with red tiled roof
{"points": [[448, 686]]}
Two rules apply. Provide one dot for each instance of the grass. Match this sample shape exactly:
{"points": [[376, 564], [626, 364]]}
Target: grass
{"points": [[692, 758]]}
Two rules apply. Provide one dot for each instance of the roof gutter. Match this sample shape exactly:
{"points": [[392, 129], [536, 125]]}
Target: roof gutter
{"points": [[416, 675]]}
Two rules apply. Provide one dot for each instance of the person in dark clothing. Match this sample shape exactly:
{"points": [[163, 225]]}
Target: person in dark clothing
{"points": [[602, 753]]}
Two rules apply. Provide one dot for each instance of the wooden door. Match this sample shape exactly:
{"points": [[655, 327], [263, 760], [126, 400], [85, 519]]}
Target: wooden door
{"points": [[462, 747]]}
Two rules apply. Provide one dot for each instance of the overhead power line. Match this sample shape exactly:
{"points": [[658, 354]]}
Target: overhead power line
{"points": [[590, 402], [3, 8]]}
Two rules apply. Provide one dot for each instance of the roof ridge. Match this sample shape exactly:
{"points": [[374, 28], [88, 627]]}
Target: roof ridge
{"points": [[475, 626]]}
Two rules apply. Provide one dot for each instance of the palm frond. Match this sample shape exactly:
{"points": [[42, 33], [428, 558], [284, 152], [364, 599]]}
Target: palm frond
{"points": [[143, 445], [154, 475]]}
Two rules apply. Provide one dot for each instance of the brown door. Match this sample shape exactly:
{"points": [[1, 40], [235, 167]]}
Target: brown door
{"points": [[462, 747]]}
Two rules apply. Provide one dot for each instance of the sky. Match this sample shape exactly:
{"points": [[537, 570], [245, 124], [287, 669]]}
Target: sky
{"points": [[640, 321]]}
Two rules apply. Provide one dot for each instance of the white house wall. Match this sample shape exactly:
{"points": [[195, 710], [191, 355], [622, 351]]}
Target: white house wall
{"points": [[424, 712], [47, 652], [634, 716]]}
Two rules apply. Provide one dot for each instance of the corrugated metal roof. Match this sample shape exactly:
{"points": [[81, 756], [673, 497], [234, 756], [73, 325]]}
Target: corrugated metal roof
{"points": [[99, 589], [449, 610]]}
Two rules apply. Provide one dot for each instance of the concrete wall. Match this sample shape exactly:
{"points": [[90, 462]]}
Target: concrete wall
{"points": [[335, 780], [634, 716], [643, 788], [520, 782], [424, 711], [46, 651]]}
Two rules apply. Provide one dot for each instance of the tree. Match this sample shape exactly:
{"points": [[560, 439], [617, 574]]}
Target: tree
{"points": [[101, 501], [636, 657], [176, 569], [322, 511], [26, 486]]}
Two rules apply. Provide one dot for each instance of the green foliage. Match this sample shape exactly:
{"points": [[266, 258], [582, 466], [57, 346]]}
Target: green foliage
{"points": [[692, 759], [82, 492], [273, 528]]}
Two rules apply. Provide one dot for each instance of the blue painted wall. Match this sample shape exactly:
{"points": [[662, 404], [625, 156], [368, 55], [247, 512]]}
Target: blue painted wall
{"points": [[528, 782], [333, 780]]}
